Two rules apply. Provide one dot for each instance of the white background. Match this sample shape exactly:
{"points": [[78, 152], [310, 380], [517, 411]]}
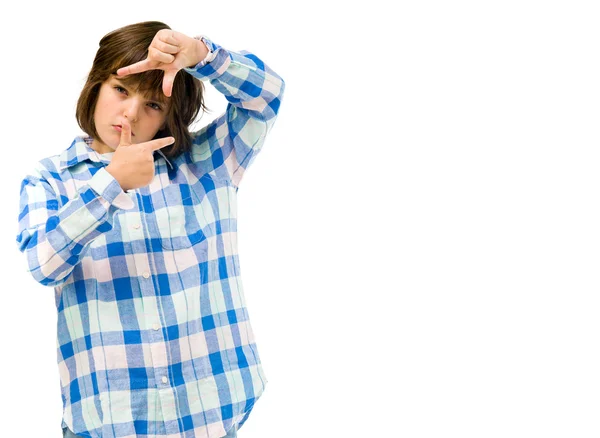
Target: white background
{"points": [[419, 238]]}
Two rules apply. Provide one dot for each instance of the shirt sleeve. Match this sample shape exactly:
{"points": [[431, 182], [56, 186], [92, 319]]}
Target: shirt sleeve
{"points": [[54, 238], [230, 143]]}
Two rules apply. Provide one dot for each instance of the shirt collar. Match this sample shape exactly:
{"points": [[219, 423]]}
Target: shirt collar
{"points": [[81, 150]]}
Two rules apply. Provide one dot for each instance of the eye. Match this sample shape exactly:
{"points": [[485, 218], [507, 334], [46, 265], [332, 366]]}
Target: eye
{"points": [[122, 90]]}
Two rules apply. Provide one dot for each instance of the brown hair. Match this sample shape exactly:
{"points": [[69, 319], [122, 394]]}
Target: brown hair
{"points": [[128, 45]]}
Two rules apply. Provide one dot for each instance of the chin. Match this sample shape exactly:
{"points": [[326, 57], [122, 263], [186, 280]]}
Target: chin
{"points": [[110, 142]]}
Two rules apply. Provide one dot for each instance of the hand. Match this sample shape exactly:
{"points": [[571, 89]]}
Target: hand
{"points": [[132, 165], [169, 51]]}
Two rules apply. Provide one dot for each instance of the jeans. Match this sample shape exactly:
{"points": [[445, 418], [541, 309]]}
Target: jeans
{"points": [[68, 434]]}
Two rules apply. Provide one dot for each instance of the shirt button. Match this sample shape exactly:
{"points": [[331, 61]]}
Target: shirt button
{"points": [[146, 275], [136, 226], [164, 379], [156, 327]]}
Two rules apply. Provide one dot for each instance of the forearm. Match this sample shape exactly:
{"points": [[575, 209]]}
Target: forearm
{"points": [[244, 79], [55, 239]]}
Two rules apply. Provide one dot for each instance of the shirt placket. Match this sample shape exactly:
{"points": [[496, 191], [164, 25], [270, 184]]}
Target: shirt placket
{"points": [[157, 346]]}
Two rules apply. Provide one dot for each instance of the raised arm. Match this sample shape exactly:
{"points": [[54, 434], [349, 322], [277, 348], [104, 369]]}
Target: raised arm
{"points": [[230, 143]]}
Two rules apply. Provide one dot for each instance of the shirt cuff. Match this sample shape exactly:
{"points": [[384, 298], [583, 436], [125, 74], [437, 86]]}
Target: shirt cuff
{"points": [[105, 185], [215, 63]]}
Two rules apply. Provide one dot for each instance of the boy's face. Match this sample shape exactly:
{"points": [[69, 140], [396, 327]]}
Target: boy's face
{"points": [[117, 101]]}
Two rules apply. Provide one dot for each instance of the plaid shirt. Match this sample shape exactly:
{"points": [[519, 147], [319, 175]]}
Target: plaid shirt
{"points": [[153, 331]]}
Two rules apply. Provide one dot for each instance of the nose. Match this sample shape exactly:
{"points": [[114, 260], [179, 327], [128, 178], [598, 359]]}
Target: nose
{"points": [[132, 108]]}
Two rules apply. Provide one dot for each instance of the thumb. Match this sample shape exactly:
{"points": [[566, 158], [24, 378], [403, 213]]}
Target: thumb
{"points": [[168, 79], [125, 133]]}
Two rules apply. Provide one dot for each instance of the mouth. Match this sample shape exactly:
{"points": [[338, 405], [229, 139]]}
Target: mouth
{"points": [[119, 128]]}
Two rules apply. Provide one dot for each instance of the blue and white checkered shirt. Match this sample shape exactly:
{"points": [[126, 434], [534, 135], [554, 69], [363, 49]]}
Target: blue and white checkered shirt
{"points": [[153, 331]]}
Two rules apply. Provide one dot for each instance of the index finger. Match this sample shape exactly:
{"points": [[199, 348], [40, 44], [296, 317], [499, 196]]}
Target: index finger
{"points": [[125, 133], [138, 67], [160, 143]]}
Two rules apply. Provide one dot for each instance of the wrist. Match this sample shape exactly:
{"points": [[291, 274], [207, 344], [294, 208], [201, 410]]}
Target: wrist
{"points": [[204, 53], [114, 174], [201, 52]]}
